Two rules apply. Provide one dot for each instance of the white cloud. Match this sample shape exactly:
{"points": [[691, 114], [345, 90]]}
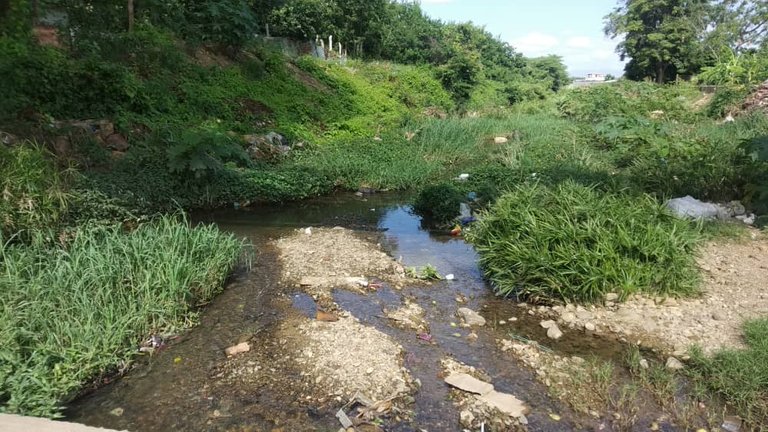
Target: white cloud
{"points": [[582, 54], [535, 43], [579, 42]]}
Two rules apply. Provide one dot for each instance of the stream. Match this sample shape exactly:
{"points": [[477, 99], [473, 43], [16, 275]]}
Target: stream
{"points": [[175, 389]]}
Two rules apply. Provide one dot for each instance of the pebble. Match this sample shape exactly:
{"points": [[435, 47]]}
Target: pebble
{"points": [[554, 332], [674, 364], [590, 326]]}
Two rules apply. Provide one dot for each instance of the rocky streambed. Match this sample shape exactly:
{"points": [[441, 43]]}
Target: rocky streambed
{"points": [[327, 332]]}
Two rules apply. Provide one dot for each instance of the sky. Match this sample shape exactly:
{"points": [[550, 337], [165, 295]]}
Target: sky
{"points": [[572, 29]]}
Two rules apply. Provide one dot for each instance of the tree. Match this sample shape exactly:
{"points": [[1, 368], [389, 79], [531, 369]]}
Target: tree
{"points": [[659, 37], [550, 69]]}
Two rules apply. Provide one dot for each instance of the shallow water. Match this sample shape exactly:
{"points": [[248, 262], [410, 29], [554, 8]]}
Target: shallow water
{"points": [[172, 390]]}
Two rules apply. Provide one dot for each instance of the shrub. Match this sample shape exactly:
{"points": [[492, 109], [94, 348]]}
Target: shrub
{"points": [[439, 203], [72, 313], [572, 243], [725, 100]]}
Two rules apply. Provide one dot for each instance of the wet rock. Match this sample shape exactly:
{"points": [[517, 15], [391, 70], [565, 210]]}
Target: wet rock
{"points": [[674, 364], [238, 349], [468, 383], [471, 317]]}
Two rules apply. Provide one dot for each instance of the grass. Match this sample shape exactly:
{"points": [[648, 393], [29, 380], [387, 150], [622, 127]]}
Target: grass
{"points": [[573, 243], [740, 376], [71, 313]]}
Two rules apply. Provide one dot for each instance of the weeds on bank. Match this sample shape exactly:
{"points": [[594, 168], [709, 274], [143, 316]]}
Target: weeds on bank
{"points": [[73, 312], [740, 376]]}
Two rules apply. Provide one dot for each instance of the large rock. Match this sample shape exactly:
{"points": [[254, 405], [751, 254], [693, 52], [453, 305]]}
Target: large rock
{"points": [[468, 383], [690, 207], [471, 317], [505, 403]]}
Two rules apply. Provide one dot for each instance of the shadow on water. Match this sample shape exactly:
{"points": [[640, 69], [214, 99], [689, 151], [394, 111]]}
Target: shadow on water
{"points": [[172, 390]]}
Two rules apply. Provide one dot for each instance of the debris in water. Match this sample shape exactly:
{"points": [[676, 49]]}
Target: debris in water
{"points": [[237, 349], [426, 337], [450, 277], [554, 417], [117, 412], [456, 231]]}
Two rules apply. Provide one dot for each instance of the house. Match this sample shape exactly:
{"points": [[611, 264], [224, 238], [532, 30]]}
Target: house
{"points": [[595, 77]]}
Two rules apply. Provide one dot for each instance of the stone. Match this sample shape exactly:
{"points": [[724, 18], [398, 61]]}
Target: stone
{"points": [[554, 332], [583, 314], [568, 317], [674, 364], [238, 349], [590, 326], [471, 317], [468, 383], [547, 324], [466, 418], [611, 297], [505, 403], [117, 142], [644, 364], [500, 140], [117, 412]]}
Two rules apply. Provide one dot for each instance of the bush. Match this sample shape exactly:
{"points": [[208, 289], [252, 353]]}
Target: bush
{"points": [[725, 100], [572, 243], [438, 204], [69, 314]]}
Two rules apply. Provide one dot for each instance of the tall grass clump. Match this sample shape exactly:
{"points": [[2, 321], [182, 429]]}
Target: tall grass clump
{"points": [[32, 193], [572, 243], [740, 376], [69, 314]]}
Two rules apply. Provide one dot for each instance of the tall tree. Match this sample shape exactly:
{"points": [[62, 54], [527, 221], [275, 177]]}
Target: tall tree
{"points": [[659, 37]]}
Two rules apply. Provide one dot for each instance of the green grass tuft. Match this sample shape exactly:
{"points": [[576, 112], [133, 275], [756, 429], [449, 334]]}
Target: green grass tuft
{"points": [[571, 242]]}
